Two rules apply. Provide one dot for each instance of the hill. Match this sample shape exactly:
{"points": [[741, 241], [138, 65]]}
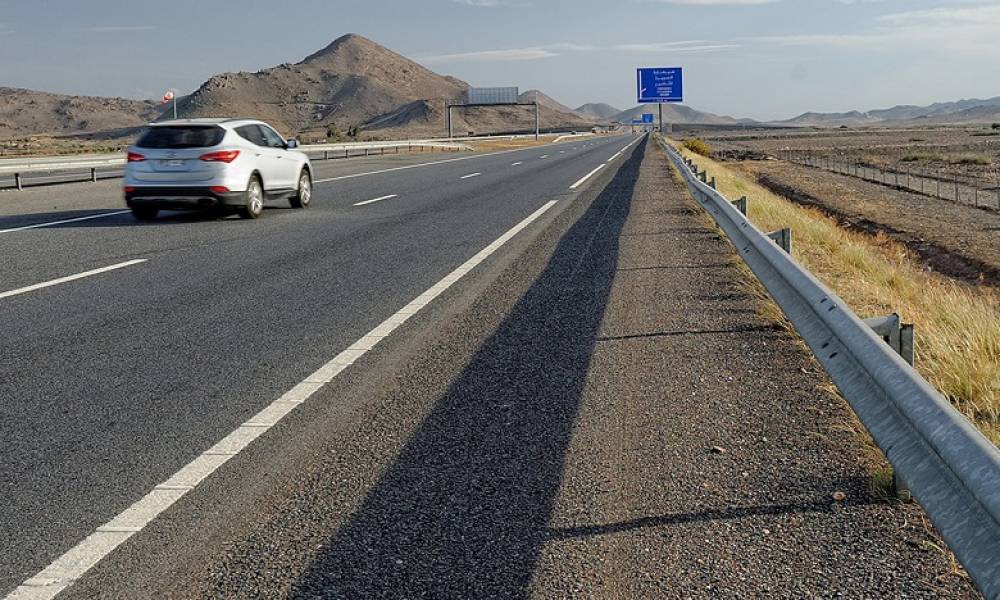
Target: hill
{"points": [[354, 82], [674, 113], [28, 112], [972, 110], [598, 110]]}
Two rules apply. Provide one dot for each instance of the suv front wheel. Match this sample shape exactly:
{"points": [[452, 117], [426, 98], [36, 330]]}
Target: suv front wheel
{"points": [[253, 203], [303, 196]]}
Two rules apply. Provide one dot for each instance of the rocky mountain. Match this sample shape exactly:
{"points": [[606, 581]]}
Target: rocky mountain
{"points": [[28, 112], [348, 83], [962, 111], [351, 83], [814, 119], [674, 113], [355, 82], [597, 110]]}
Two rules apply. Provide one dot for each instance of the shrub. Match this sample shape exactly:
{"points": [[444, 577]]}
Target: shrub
{"points": [[698, 146]]}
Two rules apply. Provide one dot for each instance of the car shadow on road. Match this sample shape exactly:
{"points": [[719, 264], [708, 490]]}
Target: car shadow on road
{"points": [[463, 511]]}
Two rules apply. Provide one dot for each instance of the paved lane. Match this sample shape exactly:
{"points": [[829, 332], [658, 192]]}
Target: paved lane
{"points": [[113, 381]]}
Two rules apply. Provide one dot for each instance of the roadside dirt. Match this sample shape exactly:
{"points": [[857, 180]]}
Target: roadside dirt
{"points": [[955, 240]]}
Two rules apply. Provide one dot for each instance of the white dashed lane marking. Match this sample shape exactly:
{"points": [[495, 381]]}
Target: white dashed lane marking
{"points": [[373, 200], [68, 278]]}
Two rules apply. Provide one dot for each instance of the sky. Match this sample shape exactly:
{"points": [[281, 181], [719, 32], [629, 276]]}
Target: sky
{"points": [[763, 59]]}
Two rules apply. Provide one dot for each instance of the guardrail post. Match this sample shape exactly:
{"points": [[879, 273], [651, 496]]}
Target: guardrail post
{"points": [[711, 183], [899, 336], [17, 182], [741, 204], [703, 176], [326, 155], [783, 237], [93, 175]]}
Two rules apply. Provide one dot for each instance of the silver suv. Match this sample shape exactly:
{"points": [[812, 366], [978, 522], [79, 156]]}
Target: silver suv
{"points": [[233, 164]]}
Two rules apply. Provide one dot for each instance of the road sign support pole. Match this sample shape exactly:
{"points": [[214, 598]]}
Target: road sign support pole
{"points": [[660, 105], [451, 135], [537, 121]]}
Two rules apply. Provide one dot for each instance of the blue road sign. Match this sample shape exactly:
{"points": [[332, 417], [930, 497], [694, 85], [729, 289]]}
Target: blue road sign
{"points": [[660, 85], [647, 118]]}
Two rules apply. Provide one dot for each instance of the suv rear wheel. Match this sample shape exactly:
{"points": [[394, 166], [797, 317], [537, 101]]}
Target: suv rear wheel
{"points": [[303, 196], [253, 205]]}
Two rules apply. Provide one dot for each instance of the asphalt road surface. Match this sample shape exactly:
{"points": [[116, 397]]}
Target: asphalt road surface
{"points": [[114, 381], [576, 397]]}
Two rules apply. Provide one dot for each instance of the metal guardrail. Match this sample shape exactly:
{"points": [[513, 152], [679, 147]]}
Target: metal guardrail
{"points": [[94, 163], [99, 166], [950, 468]]}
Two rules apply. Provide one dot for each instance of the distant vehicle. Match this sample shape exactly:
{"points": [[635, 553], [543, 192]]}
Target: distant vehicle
{"points": [[229, 164]]}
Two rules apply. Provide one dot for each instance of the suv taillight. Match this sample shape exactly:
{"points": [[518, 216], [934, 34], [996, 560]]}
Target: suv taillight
{"points": [[135, 157], [226, 156]]}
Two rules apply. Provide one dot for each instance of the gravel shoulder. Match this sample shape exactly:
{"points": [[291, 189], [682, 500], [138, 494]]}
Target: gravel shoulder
{"points": [[607, 417], [958, 241]]}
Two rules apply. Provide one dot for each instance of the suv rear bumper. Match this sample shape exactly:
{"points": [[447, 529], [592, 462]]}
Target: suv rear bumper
{"points": [[181, 198]]}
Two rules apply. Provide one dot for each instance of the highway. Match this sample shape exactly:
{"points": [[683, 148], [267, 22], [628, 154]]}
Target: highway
{"points": [[113, 382], [534, 373]]}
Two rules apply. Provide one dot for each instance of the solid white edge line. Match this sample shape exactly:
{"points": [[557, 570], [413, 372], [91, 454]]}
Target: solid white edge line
{"points": [[73, 220], [586, 177], [373, 200], [470, 175], [583, 179], [429, 164], [68, 278], [79, 559]]}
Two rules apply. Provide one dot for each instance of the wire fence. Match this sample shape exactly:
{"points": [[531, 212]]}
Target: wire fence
{"points": [[971, 192]]}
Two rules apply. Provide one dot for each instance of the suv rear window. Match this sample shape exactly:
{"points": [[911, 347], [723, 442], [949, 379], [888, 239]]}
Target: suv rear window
{"points": [[181, 137]]}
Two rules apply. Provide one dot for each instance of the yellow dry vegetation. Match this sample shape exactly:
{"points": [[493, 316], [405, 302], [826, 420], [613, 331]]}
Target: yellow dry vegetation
{"points": [[957, 325]]}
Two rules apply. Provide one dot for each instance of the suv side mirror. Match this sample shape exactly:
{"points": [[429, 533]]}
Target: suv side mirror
{"points": [[292, 144]]}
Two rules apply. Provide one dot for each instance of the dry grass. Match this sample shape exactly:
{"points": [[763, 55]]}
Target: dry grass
{"points": [[955, 159], [958, 326]]}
